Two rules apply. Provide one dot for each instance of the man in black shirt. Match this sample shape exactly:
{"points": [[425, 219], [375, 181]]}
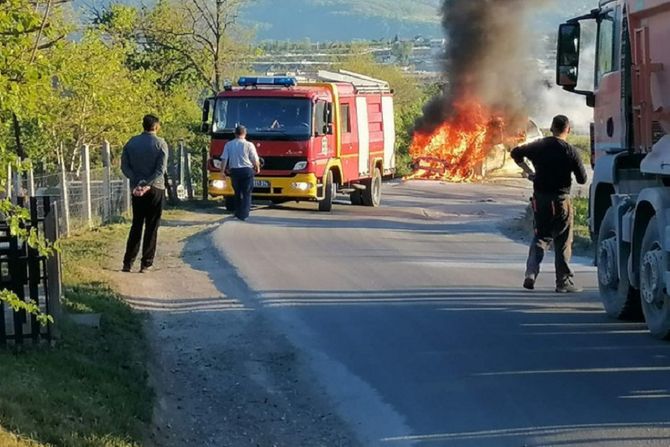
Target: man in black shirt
{"points": [[555, 161]]}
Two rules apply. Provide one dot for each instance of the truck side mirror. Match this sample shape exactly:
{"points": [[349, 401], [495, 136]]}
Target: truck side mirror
{"points": [[567, 60], [329, 114], [206, 128]]}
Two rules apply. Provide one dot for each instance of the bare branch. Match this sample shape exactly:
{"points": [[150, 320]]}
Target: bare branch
{"points": [[26, 31], [50, 44], [187, 55], [207, 15], [47, 11]]}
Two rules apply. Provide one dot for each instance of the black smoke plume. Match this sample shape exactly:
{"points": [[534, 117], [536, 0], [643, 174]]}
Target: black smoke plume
{"points": [[487, 58]]}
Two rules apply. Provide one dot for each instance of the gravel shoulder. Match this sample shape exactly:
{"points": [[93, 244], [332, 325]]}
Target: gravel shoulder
{"points": [[222, 375]]}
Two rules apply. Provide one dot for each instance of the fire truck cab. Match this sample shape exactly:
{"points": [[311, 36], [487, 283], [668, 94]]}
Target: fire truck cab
{"points": [[315, 139], [630, 193]]}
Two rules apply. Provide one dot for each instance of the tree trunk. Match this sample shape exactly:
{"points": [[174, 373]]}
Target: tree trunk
{"points": [[17, 136]]}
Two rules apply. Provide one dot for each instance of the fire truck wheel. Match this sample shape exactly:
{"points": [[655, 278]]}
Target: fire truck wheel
{"points": [[655, 298], [620, 300], [328, 193], [372, 195], [356, 198], [230, 204]]}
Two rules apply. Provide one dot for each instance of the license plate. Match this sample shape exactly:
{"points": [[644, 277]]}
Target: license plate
{"points": [[261, 184]]}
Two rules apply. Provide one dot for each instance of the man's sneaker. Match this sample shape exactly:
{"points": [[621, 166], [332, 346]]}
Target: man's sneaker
{"points": [[147, 269], [568, 287], [529, 283], [126, 269]]}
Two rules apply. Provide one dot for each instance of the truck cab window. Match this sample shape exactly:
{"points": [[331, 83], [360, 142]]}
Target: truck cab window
{"points": [[345, 119], [320, 118], [606, 47]]}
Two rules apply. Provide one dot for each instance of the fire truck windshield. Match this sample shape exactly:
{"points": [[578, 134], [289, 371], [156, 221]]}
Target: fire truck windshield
{"points": [[267, 118]]}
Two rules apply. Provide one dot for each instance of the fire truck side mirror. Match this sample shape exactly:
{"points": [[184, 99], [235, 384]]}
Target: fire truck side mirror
{"points": [[205, 128], [567, 58]]}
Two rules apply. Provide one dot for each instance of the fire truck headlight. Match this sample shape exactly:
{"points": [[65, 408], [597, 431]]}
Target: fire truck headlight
{"points": [[301, 186], [299, 166], [219, 184]]}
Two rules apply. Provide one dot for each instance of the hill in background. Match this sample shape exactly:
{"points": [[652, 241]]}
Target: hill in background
{"points": [[344, 20]]}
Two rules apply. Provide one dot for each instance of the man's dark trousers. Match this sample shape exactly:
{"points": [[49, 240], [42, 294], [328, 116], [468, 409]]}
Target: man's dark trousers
{"points": [[147, 211], [554, 218], [243, 185]]}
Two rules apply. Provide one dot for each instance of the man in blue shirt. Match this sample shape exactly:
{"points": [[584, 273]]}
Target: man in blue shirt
{"points": [[241, 159]]}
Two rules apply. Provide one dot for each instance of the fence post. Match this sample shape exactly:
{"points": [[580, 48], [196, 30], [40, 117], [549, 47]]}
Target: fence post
{"points": [[86, 185], [126, 196], [9, 186], [106, 182], [53, 267], [187, 175], [205, 170], [180, 163], [65, 211], [31, 181], [172, 191], [16, 185]]}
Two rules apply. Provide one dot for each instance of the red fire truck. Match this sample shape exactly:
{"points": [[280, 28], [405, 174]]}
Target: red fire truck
{"points": [[315, 139], [630, 193]]}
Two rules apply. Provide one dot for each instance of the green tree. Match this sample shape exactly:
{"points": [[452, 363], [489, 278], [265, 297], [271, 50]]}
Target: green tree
{"points": [[200, 37], [27, 30]]}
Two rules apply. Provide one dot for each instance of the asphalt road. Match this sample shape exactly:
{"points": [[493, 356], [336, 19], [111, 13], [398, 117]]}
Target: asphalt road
{"points": [[413, 319]]}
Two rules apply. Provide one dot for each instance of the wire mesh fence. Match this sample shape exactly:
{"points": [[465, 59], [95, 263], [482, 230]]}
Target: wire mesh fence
{"points": [[89, 197], [81, 207]]}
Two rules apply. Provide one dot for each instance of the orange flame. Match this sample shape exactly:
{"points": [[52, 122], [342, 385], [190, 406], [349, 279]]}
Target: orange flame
{"points": [[456, 150]]}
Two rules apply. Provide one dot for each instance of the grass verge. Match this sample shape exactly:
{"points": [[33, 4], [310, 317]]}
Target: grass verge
{"points": [[522, 227], [91, 389]]}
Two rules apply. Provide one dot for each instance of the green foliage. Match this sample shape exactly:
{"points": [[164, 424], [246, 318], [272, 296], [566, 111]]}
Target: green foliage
{"points": [[90, 389], [583, 145], [16, 218]]}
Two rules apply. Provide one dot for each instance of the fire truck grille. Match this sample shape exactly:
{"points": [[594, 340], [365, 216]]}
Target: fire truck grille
{"points": [[281, 163]]}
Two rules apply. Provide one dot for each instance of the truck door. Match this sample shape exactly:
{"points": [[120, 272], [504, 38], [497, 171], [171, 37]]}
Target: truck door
{"points": [[349, 136], [610, 120], [363, 136]]}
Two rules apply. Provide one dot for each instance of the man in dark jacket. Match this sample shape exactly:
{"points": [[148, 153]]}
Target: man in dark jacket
{"points": [[144, 162], [555, 161]]}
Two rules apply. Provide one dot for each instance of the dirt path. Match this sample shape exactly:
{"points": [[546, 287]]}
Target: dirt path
{"points": [[222, 375]]}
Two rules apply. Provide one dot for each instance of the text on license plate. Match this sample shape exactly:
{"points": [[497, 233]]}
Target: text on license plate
{"points": [[261, 184]]}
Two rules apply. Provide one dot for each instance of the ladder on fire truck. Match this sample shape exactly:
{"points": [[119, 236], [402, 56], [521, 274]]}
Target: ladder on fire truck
{"points": [[362, 83]]}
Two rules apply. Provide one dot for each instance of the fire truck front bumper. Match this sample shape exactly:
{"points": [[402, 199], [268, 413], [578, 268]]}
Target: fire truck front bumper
{"points": [[298, 187]]}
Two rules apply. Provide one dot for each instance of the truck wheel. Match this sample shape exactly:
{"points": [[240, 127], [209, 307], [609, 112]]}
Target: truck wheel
{"points": [[372, 194], [655, 299], [356, 198], [328, 193], [620, 300], [230, 203]]}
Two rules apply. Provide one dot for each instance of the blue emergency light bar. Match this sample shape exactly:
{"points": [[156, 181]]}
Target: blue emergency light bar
{"points": [[282, 81]]}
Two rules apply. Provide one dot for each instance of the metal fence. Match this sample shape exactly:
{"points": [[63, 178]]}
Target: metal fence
{"points": [[30, 275], [91, 197], [86, 198]]}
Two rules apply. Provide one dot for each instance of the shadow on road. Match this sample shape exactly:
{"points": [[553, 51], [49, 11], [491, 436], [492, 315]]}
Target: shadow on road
{"points": [[468, 366]]}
